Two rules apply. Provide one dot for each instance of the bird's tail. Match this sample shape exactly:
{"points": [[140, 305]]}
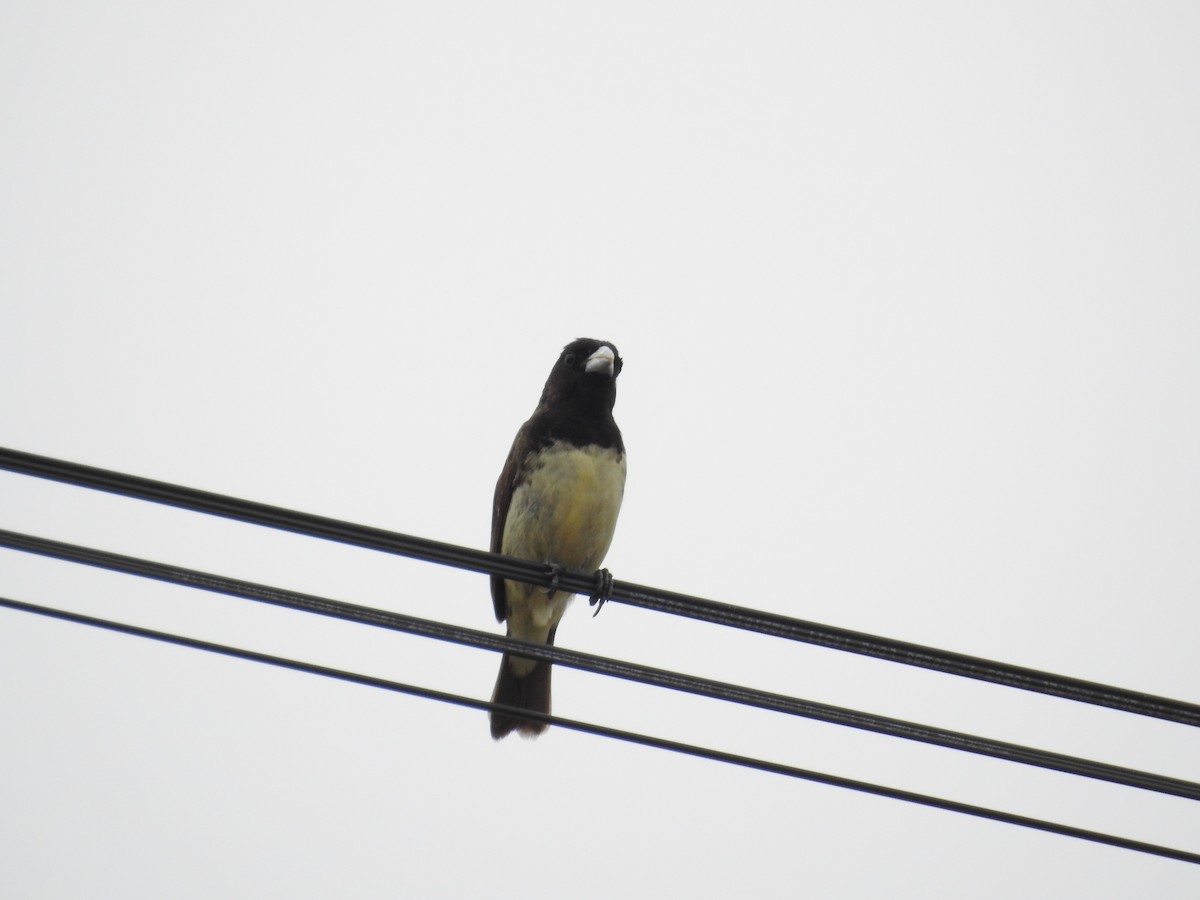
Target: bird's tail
{"points": [[530, 691]]}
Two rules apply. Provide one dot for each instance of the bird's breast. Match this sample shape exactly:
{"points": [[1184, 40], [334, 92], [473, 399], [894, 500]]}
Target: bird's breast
{"points": [[565, 511]]}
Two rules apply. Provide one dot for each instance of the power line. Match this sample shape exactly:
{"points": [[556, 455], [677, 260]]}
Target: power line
{"points": [[614, 733], [624, 592], [603, 665]]}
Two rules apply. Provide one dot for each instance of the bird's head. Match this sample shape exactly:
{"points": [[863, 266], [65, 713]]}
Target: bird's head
{"points": [[585, 373]]}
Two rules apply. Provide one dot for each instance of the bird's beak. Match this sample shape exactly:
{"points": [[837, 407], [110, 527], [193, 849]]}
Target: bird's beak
{"points": [[601, 361]]}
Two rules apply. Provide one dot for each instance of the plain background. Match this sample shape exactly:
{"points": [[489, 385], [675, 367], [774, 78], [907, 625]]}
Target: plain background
{"points": [[909, 301]]}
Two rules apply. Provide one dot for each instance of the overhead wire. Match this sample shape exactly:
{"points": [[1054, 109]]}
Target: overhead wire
{"points": [[907, 653], [615, 733], [775, 702]]}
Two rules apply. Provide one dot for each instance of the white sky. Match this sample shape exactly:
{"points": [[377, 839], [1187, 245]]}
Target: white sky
{"points": [[909, 299]]}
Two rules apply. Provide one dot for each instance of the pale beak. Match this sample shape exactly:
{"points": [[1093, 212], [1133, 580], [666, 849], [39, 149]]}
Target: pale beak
{"points": [[601, 361]]}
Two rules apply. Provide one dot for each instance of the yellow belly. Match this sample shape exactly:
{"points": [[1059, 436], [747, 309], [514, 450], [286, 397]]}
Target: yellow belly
{"points": [[565, 513]]}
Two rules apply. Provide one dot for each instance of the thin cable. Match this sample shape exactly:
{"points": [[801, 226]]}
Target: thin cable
{"points": [[603, 665], [624, 592], [617, 734]]}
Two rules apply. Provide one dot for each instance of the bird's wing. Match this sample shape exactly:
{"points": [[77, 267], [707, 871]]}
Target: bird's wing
{"points": [[510, 476]]}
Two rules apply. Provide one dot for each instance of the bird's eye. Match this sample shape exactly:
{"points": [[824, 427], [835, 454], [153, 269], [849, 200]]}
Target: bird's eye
{"points": [[569, 359]]}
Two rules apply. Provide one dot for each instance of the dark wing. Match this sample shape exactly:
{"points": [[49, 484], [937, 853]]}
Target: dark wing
{"points": [[510, 476]]}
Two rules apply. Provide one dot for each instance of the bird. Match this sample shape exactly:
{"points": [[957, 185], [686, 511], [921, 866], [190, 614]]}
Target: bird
{"points": [[556, 502]]}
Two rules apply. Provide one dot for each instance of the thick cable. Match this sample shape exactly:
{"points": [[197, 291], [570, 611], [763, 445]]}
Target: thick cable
{"points": [[615, 733], [603, 665], [744, 618]]}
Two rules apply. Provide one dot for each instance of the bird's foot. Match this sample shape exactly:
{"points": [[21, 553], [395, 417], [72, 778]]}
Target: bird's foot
{"points": [[555, 570], [604, 583]]}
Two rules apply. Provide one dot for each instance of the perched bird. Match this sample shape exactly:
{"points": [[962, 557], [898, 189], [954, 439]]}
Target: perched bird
{"points": [[556, 503]]}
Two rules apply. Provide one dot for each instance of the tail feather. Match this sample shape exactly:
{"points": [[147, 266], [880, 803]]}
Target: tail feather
{"points": [[531, 692]]}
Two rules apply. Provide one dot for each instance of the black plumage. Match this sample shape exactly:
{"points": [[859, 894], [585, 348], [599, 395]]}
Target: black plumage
{"points": [[556, 502]]}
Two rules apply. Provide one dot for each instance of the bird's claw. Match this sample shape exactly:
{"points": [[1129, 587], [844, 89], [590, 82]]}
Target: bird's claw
{"points": [[555, 570], [604, 583]]}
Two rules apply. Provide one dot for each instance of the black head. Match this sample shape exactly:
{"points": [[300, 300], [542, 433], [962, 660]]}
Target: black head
{"points": [[585, 374]]}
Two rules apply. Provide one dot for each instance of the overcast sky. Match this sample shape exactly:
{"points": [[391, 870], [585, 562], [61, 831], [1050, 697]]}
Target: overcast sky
{"points": [[909, 302]]}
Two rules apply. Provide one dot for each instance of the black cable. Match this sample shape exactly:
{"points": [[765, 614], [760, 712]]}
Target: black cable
{"points": [[624, 592], [618, 734], [603, 665]]}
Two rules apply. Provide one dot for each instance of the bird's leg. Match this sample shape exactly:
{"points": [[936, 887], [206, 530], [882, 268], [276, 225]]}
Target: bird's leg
{"points": [[604, 583], [556, 570]]}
